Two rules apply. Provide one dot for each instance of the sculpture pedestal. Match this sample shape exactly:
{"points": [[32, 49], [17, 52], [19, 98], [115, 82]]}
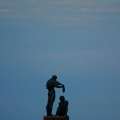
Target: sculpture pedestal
{"points": [[56, 117]]}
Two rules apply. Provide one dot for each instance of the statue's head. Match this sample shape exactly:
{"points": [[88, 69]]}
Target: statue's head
{"points": [[54, 77], [62, 98]]}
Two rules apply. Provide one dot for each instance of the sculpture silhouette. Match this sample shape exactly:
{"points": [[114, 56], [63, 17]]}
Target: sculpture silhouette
{"points": [[51, 84], [63, 107]]}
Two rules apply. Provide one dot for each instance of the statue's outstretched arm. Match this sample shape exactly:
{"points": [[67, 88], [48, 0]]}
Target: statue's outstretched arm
{"points": [[60, 85]]}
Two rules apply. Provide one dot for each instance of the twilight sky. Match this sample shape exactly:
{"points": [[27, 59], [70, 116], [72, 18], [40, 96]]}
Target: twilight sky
{"points": [[76, 39]]}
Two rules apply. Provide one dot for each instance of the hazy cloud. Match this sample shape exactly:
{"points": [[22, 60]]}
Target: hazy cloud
{"points": [[57, 12]]}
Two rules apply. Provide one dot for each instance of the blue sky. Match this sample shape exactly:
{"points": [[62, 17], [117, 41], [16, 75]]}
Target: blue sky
{"points": [[77, 40]]}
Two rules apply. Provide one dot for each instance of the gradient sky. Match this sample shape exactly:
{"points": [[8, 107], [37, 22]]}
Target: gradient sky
{"points": [[76, 39]]}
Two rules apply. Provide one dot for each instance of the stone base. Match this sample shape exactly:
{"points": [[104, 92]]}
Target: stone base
{"points": [[56, 117]]}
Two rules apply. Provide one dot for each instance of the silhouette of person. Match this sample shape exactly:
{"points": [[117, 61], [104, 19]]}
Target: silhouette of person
{"points": [[51, 84], [63, 107]]}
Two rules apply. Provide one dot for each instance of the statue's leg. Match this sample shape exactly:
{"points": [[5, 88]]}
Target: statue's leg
{"points": [[49, 110], [58, 110], [51, 99], [48, 107]]}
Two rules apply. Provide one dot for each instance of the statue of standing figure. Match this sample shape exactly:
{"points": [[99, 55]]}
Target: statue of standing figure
{"points": [[51, 84]]}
